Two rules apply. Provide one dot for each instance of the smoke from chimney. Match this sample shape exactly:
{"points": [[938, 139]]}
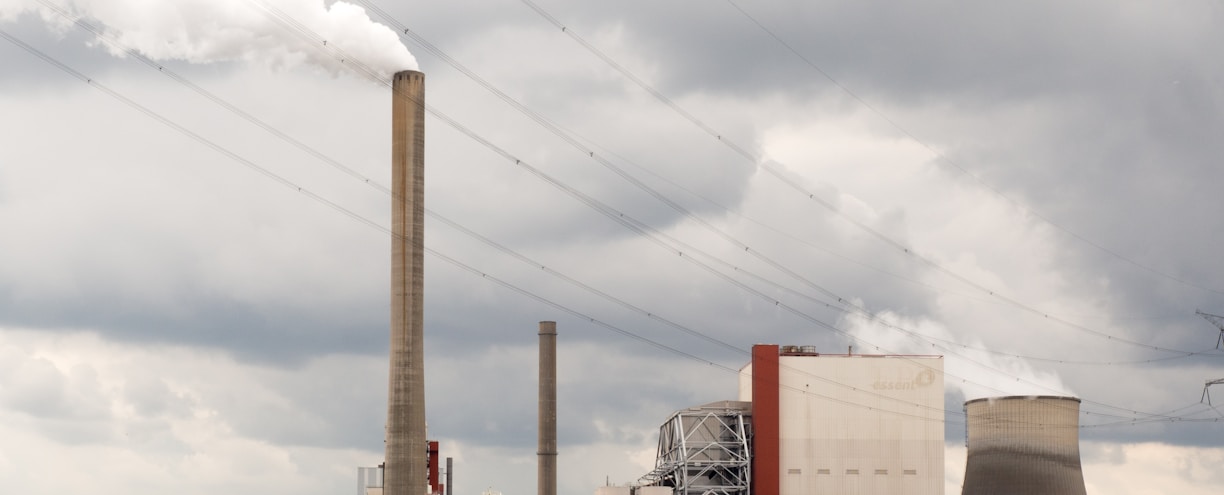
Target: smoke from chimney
{"points": [[966, 361], [208, 31]]}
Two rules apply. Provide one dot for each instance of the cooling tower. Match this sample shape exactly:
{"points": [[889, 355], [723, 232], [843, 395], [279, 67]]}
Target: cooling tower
{"points": [[1023, 445], [406, 448]]}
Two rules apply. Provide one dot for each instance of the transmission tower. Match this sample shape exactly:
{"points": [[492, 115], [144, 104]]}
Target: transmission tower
{"points": [[1216, 320], [1207, 389]]}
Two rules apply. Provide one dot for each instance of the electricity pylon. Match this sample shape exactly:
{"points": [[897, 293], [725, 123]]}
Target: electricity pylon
{"points": [[1207, 389], [1216, 320]]}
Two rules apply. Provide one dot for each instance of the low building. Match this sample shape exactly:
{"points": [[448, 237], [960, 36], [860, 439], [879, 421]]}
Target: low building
{"points": [[813, 423]]}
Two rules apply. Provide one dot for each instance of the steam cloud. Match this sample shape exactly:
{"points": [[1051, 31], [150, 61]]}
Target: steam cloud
{"points": [[1019, 377], [254, 31]]}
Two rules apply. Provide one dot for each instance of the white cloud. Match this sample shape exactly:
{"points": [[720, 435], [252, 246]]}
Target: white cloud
{"points": [[1143, 468], [113, 417]]}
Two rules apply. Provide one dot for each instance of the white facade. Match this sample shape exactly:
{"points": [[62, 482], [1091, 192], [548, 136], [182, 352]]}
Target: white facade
{"points": [[858, 424]]}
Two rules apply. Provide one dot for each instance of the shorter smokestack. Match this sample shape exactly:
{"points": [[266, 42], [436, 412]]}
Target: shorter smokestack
{"points": [[450, 481], [1023, 445], [547, 452]]}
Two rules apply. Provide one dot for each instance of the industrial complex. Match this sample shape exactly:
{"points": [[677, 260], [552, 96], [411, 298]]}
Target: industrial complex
{"points": [[804, 422], [807, 422], [846, 424]]}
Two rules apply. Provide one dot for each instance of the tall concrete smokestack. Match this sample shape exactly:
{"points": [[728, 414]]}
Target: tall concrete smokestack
{"points": [[406, 448], [547, 452], [1023, 445]]}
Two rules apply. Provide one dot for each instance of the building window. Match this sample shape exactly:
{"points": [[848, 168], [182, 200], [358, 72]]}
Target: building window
{"points": [[911, 471], [822, 471], [794, 471], [851, 471], [881, 471]]}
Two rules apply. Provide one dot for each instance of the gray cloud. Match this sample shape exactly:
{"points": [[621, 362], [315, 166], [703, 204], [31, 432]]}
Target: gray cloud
{"points": [[1099, 119]]}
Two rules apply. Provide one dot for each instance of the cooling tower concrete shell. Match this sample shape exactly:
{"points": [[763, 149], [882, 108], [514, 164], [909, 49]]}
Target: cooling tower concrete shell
{"points": [[1023, 445]]}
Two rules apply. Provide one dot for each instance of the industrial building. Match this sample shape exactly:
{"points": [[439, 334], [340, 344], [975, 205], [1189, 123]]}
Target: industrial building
{"points": [[859, 424], [370, 479], [808, 422]]}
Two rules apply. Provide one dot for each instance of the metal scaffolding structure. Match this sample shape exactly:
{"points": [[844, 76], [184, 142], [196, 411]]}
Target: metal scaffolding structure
{"points": [[705, 450]]}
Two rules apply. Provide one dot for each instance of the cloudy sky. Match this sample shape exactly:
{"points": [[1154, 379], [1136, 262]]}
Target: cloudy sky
{"points": [[194, 267]]}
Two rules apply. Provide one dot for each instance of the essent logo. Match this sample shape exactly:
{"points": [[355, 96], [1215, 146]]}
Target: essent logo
{"points": [[922, 379]]}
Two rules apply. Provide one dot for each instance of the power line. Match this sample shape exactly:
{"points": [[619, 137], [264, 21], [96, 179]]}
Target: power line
{"points": [[270, 129], [260, 169], [128, 51], [287, 183], [829, 206], [638, 227], [625, 220], [945, 159], [548, 125]]}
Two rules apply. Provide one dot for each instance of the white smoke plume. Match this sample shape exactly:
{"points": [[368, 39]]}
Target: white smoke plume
{"points": [[976, 373], [273, 33]]}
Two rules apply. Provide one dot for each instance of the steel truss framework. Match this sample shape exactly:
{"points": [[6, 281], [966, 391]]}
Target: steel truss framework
{"points": [[705, 451], [1207, 390], [1216, 320]]}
